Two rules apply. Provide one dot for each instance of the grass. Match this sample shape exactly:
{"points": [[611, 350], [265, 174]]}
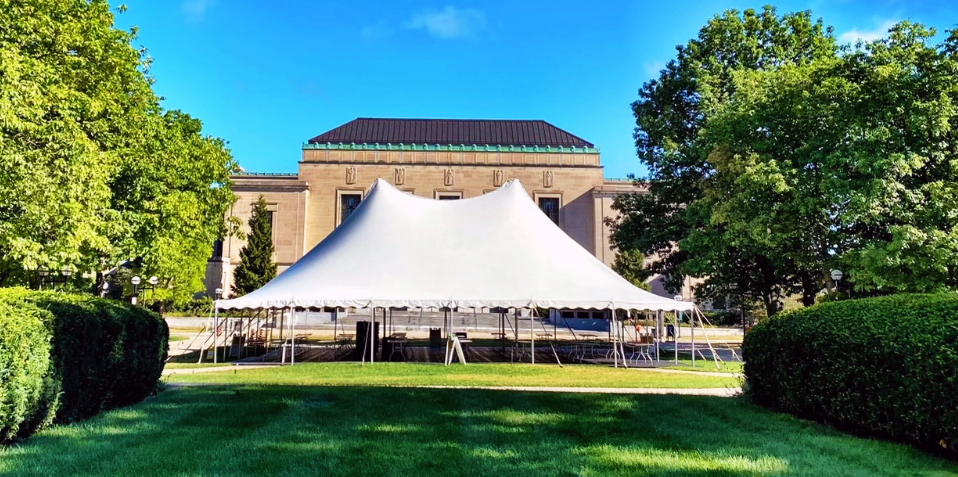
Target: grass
{"points": [[410, 374], [194, 365], [178, 337], [347, 431], [706, 366]]}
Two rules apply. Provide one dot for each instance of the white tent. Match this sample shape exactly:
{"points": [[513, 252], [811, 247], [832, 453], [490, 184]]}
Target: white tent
{"points": [[497, 250]]}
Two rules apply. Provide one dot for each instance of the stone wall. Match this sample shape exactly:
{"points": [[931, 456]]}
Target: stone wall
{"points": [[569, 177]]}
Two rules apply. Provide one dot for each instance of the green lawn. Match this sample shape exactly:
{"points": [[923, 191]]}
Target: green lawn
{"points": [[194, 365], [355, 431], [409, 374], [708, 366]]}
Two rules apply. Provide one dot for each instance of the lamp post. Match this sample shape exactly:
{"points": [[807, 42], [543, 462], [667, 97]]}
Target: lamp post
{"points": [[136, 288], [836, 275], [43, 272], [47, 277], [136, 282]]}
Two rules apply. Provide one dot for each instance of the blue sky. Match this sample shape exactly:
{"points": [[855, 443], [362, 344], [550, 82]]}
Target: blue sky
{"points": [[267, 76]]}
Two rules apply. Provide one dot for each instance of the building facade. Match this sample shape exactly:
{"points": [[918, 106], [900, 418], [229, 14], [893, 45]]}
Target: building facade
{"points": [[439, 159]]}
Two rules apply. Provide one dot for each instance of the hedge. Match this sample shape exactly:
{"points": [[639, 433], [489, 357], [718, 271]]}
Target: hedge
{"points": [[90, 355], [878, 367]]}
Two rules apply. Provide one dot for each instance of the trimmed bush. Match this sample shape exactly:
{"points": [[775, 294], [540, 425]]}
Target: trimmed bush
{"points": [[882, 367], [27, 387], [102, 353]]}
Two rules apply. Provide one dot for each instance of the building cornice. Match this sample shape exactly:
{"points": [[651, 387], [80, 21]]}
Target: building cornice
{"points": [[449, 148], [268, 182], [452, 164]]}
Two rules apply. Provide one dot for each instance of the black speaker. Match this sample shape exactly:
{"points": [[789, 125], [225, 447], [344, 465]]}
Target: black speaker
{"points": [[362, 341]]}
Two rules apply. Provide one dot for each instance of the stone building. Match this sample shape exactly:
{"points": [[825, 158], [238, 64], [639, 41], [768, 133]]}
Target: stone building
{"points": [[439, 159]]}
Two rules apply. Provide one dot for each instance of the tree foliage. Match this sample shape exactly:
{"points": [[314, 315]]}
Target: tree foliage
{"points": [[673, 222], [630, 264], [256, 266], [776, 155], [92, 170]]}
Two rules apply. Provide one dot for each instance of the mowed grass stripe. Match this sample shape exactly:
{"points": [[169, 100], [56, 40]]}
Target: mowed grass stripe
{"points": [[338, 431], [418, 374]]}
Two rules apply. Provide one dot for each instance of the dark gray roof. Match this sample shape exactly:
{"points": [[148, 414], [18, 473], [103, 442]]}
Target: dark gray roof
{"points": [[470, 132]]}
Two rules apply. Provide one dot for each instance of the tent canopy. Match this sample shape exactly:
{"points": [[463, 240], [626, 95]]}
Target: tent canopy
{"points": [[496, 250]]}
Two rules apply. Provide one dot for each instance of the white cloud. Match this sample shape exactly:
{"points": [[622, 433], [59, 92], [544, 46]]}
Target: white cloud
{"points": [[196, 9], [866, 36], [449, 23], [376, 31]]}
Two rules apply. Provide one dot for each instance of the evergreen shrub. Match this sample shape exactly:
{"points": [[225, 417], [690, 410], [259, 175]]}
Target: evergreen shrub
{"points": [[883, 367]]}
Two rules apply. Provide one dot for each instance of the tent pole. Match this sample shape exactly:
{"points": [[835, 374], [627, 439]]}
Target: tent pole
{"points": [[658, 333], [614, 332], [372, 337], [292, 336], [692, 336], [625, 362], [216, 327], [675, 336], [532, 335]]}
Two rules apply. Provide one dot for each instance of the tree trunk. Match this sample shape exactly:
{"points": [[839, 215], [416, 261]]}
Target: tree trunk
{"points": [[771, 305], [810, 288]]}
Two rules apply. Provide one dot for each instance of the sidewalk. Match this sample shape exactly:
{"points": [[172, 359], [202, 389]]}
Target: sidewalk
{"points": [[717, 392]]}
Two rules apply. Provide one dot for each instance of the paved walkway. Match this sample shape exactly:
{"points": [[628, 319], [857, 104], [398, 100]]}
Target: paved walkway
{"points": [[226, 367], [722, 392], [718, 392], [212, 369]]}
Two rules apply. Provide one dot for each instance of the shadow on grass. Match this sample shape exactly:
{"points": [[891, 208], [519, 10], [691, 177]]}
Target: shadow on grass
{"points": [[304, 430]]}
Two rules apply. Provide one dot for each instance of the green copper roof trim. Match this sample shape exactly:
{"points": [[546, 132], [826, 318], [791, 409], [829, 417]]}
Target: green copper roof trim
{"points": [[449, 148], [267, 174]]}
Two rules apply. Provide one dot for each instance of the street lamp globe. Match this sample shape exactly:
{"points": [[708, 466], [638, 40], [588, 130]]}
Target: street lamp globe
{"points": [[135, 281], [218, 292], [153, 280], [678, 297], [836, 274], [66, 272]]}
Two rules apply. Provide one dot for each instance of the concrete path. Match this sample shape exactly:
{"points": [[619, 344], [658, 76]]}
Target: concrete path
{"points": [[213, 369], [216, 369], [722, 392], [717, 392]]}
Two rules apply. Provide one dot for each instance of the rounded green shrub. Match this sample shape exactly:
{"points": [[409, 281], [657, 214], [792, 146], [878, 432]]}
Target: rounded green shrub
{"points": [[102, 354], [884, 367], [27, 391]]}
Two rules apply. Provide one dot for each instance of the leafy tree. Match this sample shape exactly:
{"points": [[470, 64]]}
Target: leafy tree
{"points": [[766, 174], [172, 204], [92, 170], [631, 265], [672, 222], [256, 266], [848, 163]]}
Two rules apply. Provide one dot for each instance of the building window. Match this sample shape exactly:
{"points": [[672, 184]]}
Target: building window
{"points": [[550, 205], [448, 195], [348, 203]]}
